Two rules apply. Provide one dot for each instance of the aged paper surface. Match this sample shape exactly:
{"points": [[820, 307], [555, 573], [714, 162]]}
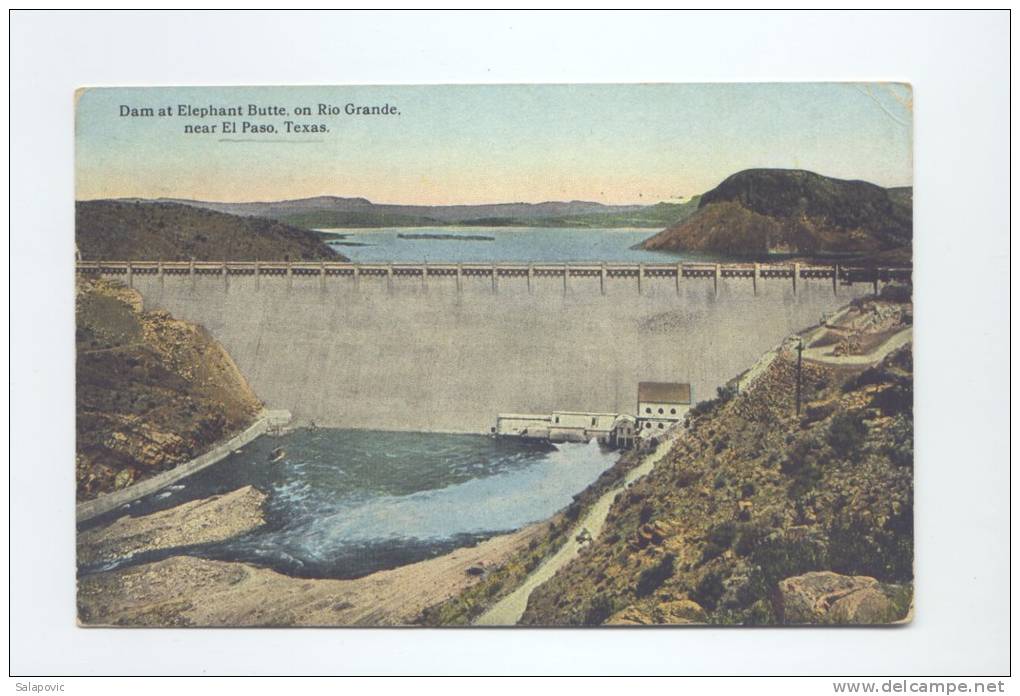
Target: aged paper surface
{"points": [[568, 355]]}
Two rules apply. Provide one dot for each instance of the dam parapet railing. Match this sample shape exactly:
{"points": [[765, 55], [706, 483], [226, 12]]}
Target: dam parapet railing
{"points": [[639, 272]]}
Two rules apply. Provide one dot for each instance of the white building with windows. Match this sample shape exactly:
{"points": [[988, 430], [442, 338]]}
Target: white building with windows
{"points": [[661, 404]]}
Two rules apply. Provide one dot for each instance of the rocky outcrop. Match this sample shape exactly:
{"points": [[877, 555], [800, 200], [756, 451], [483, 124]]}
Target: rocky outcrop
{"points": [[630, 616], [151, 391], [759, 212], [197, 522], [830, 598], [674, 612], [680, 611]]}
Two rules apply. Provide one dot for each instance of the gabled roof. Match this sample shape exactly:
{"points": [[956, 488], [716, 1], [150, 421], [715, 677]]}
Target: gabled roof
{"points": [[664, 392]]}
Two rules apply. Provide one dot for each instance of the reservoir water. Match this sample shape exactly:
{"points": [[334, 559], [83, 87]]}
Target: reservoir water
{"points": [[345, 503], [501, 244]]}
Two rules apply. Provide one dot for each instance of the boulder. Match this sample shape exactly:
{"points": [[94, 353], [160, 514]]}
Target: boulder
{"points": [[680, 611], [631, 616], [650, 533], [824, 597], [867, 606]]}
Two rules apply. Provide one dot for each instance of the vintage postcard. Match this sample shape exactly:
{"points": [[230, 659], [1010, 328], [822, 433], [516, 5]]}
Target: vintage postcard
{"points": [[479, 355]]}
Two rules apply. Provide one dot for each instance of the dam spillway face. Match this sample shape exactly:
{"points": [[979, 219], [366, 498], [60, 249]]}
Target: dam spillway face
{"points": [[442, 351]]}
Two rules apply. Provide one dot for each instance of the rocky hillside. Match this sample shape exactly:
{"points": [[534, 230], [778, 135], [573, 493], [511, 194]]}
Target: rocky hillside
{"points": [[159, 231], [760, 212], [152, 391], [761, 516]]}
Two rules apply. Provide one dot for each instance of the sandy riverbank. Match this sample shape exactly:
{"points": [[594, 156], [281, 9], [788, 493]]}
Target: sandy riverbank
{"points": [[196, 522]]}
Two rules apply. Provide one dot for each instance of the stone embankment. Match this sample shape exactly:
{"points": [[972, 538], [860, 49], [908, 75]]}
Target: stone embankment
{"points": [[265, 423]]}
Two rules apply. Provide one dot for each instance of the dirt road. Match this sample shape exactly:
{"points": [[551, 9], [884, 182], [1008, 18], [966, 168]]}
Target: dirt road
{"points": [[508, 611]]}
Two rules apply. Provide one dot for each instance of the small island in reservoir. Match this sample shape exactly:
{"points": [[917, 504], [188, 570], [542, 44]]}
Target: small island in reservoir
{"points": [[457, 237]]}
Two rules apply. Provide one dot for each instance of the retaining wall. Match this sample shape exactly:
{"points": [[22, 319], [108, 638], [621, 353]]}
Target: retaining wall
{"points": [[104, 503]]}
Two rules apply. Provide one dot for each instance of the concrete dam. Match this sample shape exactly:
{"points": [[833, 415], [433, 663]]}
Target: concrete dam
{"points": [[445, 348]]}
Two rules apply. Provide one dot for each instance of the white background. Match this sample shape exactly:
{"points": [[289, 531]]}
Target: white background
{"points": [[959, 67]]}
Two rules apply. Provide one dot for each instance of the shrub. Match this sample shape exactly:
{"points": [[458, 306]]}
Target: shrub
{"points": [[718, 539], [646, 513], [802, 465], [747, 490], [652, 578], [761, 613], [898, 398], [846, 433], [686, 477], [709, 590], [572, 512], [599, 608], [722, 395], [900, 450], [861, 548], [781, 557], [722, 534]]}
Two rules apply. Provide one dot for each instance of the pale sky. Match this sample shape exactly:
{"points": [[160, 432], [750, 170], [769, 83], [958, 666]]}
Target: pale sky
{"points": [[491, 144]]}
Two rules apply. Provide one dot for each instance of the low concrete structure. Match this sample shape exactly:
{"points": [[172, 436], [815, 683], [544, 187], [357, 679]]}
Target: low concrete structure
{"points": [[93, 508], [660, 405], [524, 425], [562, 426], [581, 426]]}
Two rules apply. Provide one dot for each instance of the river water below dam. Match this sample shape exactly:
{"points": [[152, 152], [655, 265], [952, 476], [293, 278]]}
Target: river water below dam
{"points": [[345, 503]]}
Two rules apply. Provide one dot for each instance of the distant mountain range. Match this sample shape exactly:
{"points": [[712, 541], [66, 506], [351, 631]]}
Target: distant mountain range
{"points": [[336, 212], [755, 213], [763, 212]]}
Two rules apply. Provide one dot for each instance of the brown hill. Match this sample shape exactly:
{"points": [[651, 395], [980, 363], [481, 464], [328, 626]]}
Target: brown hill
{"points": [[159, 231], [151, 391], [755, 512], [760, 212]]}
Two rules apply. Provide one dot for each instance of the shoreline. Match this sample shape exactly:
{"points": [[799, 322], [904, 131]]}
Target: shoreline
{"points": [[234, 594], [90, 509], [509, 610]]}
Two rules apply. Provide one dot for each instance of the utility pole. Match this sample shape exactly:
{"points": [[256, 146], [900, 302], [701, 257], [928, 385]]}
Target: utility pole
{"points": [[800, 353]]}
